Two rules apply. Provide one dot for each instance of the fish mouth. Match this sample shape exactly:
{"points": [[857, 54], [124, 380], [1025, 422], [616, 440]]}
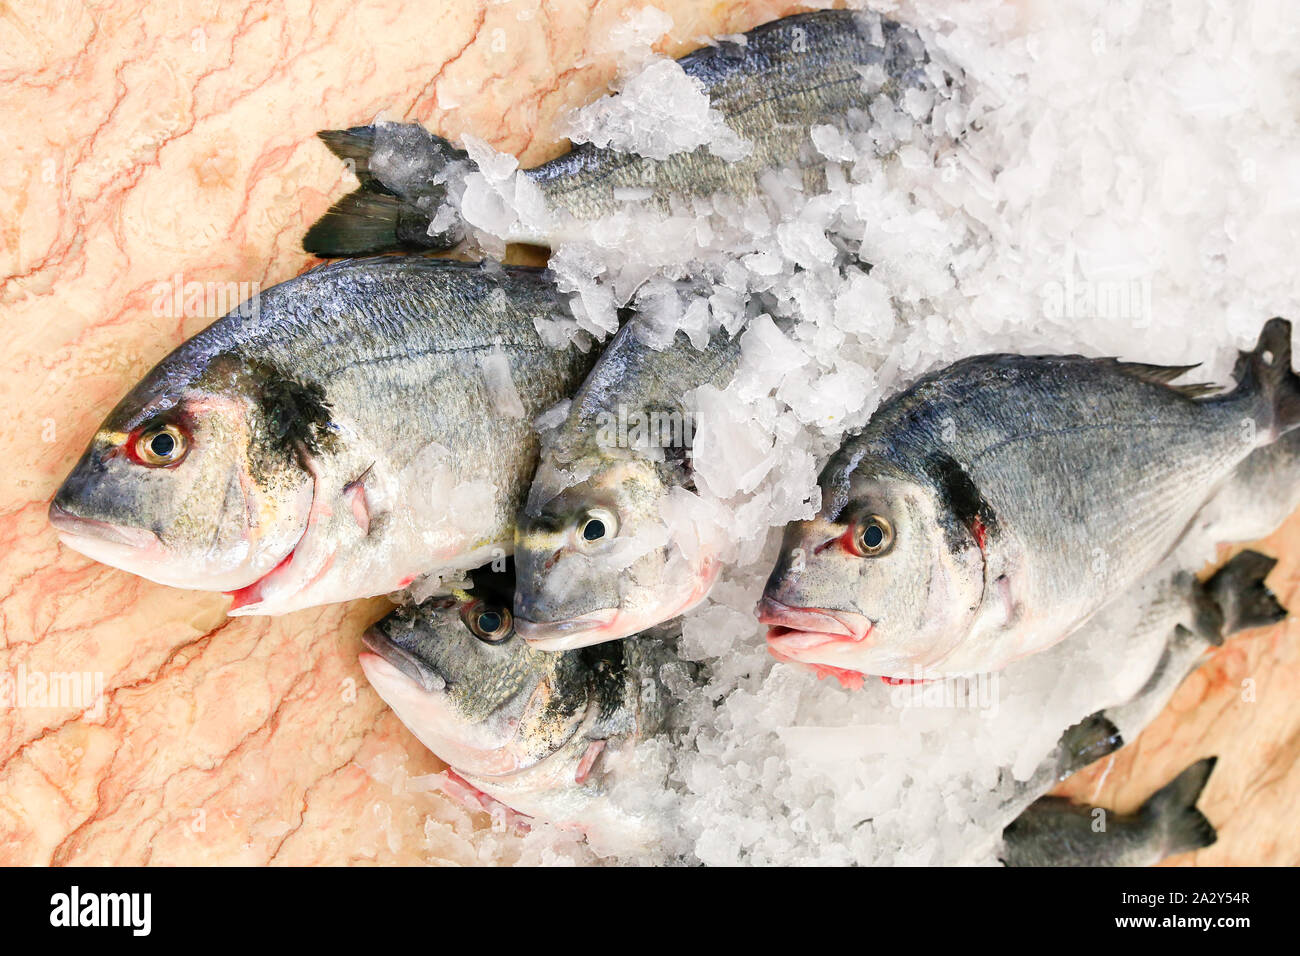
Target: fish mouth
{"points": [[590, 628], [77, 528], [404, 661], [794, 630]]}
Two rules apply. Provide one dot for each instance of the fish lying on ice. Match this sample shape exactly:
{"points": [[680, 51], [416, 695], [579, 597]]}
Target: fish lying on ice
{"points": [[361, 425], [991, 508], [788, 76], [422, 645], [554, 736], [596, 558], [1056, 832]]}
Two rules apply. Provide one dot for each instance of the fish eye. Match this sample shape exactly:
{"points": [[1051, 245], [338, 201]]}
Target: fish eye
{"points": [[160, 446], [490, 624], [597, 525], [872, 536]]}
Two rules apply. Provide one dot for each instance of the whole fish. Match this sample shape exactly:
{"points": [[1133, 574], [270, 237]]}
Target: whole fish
{"points": [[990, 509], [771, 89], [1055, 832], [551, 736], [596, 558], [357, 427]]}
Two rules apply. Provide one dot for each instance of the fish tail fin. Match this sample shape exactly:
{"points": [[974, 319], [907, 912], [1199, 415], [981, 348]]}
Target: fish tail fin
{"points": [[1265, 376], [403, 203], [1090, 739], [1239, 595], [1172, 808]]}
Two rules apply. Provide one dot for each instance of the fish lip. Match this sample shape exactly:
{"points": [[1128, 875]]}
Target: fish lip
{"points": [[69, 524], [406, 662], [565, 634], [793, 629]]}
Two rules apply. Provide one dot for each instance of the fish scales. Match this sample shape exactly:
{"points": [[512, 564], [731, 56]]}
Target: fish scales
{"points": [[351, 408], [992, 507], [811, 68], [827, 67]]}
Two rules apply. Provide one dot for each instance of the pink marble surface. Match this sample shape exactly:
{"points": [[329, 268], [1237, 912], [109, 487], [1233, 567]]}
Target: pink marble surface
{"points": [[152, 146]]}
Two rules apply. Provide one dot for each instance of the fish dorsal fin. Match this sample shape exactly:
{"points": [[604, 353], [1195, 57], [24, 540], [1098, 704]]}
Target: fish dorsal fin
{"points": [[1165, 375]]}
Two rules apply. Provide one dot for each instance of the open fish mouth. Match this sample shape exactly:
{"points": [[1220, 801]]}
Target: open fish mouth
{"points": [[565, 635], [73, 529], [794, 630], [408, 664]]}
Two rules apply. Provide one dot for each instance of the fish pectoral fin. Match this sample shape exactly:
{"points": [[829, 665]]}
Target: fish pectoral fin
{"points": [[354, 494], [588, 761], [1009, 606], [471, 798]]}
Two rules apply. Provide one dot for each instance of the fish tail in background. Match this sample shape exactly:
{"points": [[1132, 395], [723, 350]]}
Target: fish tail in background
{"points": [[1173, 810], [1265, 378], [403, 203], [1092, 738], [1240, 597]]}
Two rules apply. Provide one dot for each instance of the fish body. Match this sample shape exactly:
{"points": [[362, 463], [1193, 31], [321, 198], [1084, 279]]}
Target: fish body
{"points": [[1055, 832], [596, 558], [786, 77], [990, 509], [366, 423], [554, 736]]}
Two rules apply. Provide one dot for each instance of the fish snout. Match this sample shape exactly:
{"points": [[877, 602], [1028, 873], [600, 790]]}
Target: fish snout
{"points": [[793, 628], [402, 660], [66, 521], [564, 634]]}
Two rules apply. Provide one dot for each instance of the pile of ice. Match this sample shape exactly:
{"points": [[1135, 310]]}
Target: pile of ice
{"points": [[1112, 178]]}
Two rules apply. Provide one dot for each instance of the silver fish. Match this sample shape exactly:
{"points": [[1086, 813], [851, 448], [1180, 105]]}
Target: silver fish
{"points": [[366, 423], [597, 559], [1057, 832], [787, 76], [551, 736], [989, 510]]}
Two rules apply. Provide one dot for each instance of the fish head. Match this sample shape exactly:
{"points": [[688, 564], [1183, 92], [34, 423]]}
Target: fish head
{"points": [[459, 677], [877, 583], [193, 480], [596, 559]]}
